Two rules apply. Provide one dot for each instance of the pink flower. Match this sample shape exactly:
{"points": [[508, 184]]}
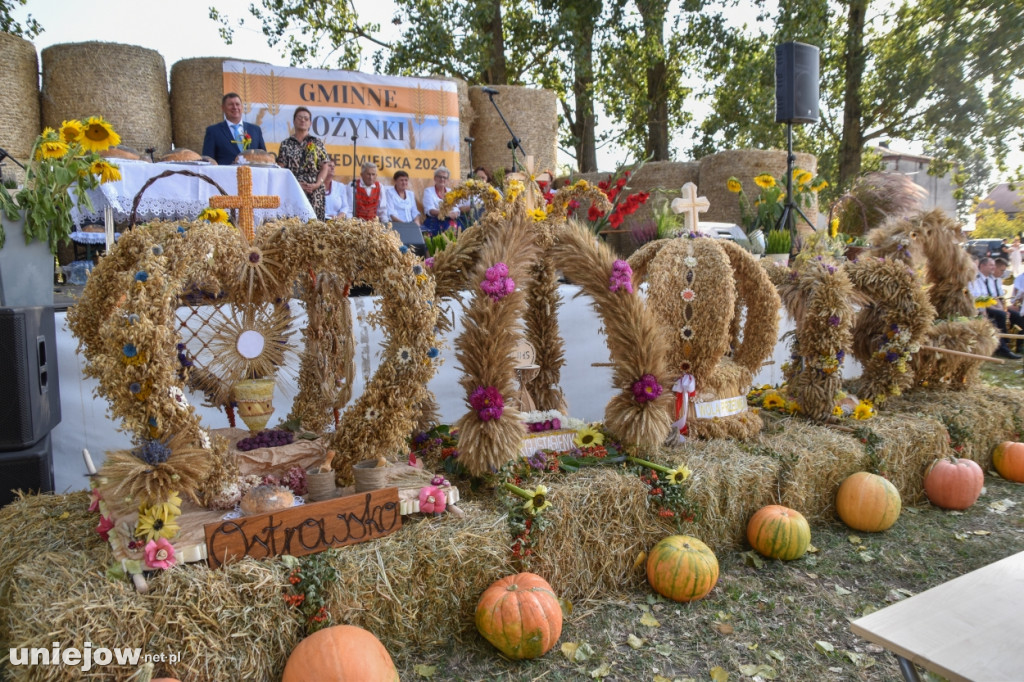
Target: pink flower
{"points": [[497, 284], [646, 388], [104, 527], [487, 402], [159, 554], [428, 262], [621, 277], [432, 500], [95, 504]]}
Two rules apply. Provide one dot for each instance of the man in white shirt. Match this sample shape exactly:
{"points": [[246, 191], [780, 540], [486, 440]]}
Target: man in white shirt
{"points": [[369, 200], [987, 285]]}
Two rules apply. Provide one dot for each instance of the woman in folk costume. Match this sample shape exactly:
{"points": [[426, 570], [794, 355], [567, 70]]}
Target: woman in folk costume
{"points": [[433, 198], [368, 198]]}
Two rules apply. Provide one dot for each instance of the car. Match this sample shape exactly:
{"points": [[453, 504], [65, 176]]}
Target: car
{"points": [[982, 248]]}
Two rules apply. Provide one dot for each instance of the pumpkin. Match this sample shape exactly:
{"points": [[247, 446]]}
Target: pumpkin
{"points": [[520, 615], [953, 483], [340, 653], [682, 568], [1008, 460], [868, 502], [779, 532]]}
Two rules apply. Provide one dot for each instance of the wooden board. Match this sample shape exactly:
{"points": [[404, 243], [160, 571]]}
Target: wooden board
{"points": [[306, 529], [969, 628]]}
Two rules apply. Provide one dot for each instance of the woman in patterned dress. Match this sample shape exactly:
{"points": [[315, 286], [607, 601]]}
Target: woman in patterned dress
{"points": [[306, 157]]}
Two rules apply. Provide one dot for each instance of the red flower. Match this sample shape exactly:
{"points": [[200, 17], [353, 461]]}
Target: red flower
{"points": [[593, 215], [621, 183], [615, 219]]}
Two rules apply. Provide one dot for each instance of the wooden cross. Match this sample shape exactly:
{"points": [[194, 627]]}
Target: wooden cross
{"points": [[690, 205], [526, 179], [245, 202]]}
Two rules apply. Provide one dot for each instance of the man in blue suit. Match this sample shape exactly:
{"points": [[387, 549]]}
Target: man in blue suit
{"points": [[223, 142]]}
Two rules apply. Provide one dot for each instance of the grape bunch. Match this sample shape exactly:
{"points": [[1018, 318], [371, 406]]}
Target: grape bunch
{"points": [[271, 438]]}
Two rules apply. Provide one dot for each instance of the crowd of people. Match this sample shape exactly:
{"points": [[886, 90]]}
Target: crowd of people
{"points": [[306, 157], [1004, 312]]}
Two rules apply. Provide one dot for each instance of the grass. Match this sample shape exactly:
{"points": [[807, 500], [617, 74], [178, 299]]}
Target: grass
{"points": [[777, 620]]}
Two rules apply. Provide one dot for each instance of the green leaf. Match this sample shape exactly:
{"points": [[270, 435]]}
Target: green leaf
{"points": [[602, 671], [824, 647], [635, 642], [425, 671], [650, 621]]}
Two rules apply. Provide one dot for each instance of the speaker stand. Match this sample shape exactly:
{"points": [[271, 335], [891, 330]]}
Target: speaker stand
{"points": [[788, 219]]}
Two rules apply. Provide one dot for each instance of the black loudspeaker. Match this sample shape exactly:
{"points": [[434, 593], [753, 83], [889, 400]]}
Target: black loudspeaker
{"points": [[29, 391], [30, 469], [412, 236], [796, 83]]}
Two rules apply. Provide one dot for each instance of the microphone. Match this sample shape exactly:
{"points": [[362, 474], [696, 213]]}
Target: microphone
{"points": [[489, 91], [470, 140]]}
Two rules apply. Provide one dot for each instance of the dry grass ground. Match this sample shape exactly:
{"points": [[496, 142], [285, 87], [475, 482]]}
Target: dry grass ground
{"points": [[769, 614]]}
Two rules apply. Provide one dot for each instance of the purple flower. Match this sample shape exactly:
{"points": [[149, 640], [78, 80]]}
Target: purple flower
{"points": [[834, 321], [487, 402], [892, 356], [621, 277], [646, 388], [556, 424], [429, 262], [537, 460]]}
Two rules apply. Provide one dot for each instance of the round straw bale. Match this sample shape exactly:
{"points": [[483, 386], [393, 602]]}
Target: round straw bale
{"points": [[744, 164], [19, 95], [466, 117], [125, 84], [197, 86], [533, 116]]}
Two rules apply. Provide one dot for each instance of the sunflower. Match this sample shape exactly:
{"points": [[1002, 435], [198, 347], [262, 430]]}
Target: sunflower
{"points": [[539, 215], [833, 228], [837, 411], [98, 135], [51, 149], [764, 181], [169, 508], [214, 215], [678, 475], [106, 171], [734, 186], [156, 522], [802, 177], [863, 410], [588, 436], [538, 501], [773, 401], [71, 130], [822, 184]]}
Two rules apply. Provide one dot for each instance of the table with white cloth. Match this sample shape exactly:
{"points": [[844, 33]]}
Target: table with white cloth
{"points": [[183, 197]]}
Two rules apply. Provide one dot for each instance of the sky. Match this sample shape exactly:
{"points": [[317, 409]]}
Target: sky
{"points": [[182, 29]]}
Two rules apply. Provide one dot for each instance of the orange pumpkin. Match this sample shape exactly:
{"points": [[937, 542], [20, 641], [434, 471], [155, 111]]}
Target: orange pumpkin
{"points": [[520, 615], [1008, 460], [868, 502], [779, 532], [953, 483], [682, 568], [340, 653]]}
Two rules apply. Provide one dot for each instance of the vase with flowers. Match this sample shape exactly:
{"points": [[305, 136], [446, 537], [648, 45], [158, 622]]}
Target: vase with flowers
{"points": [[766, 210], [64, 165]]}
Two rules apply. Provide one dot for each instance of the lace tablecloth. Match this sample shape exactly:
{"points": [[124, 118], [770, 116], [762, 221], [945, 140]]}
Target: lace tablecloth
{"points": [[183, 197]]}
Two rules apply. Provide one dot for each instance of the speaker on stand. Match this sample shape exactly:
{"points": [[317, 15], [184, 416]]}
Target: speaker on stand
{"points": [[30, 403], [796, 101]]}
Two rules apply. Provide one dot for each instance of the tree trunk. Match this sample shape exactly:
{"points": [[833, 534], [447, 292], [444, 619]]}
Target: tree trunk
{"points": [[496, 73], [583, 125], [653, 15], [852, 145]]}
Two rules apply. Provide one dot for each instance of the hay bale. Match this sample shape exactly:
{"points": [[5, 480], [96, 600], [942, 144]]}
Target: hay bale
{"points": [[909, 443], [19, 95], [600, 521], [531, 113], [744, 164], [420, 586], [197, 86], [814, 460], [125, 84], [466, 118]]}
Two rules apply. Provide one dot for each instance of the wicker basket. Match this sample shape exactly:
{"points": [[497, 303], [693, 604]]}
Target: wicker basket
{"points": [[369, 476], [255, 398]]}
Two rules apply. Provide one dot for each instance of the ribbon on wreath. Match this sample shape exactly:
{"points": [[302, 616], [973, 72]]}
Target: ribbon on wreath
{"points": [[685, 388]]}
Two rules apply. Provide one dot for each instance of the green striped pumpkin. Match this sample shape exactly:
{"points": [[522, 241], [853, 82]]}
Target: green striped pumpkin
{"points": [[779, 532], [682, 568]]}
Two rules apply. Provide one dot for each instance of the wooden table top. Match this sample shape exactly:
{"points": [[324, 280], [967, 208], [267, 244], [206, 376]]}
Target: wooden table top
{"points": [[970, 628]]}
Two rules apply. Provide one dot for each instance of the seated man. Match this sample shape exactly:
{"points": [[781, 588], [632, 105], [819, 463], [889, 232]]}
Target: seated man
{"points": [[987, 285], [224, 141], [369, 200]]}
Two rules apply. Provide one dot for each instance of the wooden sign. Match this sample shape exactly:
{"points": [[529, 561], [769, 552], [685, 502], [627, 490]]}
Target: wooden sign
{"points": [[306, 529], [524, 354]]}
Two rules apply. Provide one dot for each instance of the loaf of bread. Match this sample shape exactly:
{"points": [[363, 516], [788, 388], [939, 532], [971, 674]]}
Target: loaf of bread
{"points": [[267, 498], [120, 153], [258, 156], [180, 155]]}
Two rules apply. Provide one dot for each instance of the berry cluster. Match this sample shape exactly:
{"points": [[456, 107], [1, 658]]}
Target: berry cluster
{"points": [[270, 438]]}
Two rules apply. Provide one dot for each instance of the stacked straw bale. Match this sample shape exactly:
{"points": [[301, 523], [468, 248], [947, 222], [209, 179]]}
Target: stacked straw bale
{"points": [[197, 86], [19, 96], [532, 114], [745, 164], [125, 84], [466, 118]]}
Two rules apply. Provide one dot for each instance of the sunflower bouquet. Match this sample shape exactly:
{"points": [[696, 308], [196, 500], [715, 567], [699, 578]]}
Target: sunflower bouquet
{"points": [[62, 160], [766, 210]]}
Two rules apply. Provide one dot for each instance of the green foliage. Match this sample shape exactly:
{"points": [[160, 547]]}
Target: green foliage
{"points": [[991, 223], [9, 25], [439, 241], [310, 578], [777, 241], [766, 211]]}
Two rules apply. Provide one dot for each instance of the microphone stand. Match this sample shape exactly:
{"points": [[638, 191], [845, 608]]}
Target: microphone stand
{"points": [[469, 141], [5, 155], [787, 220], [514, 143], [355, 168]]}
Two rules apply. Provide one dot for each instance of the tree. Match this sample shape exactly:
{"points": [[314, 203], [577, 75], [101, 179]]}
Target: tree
{"points": [[992, 223], [940, 72], [8, 24]]}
